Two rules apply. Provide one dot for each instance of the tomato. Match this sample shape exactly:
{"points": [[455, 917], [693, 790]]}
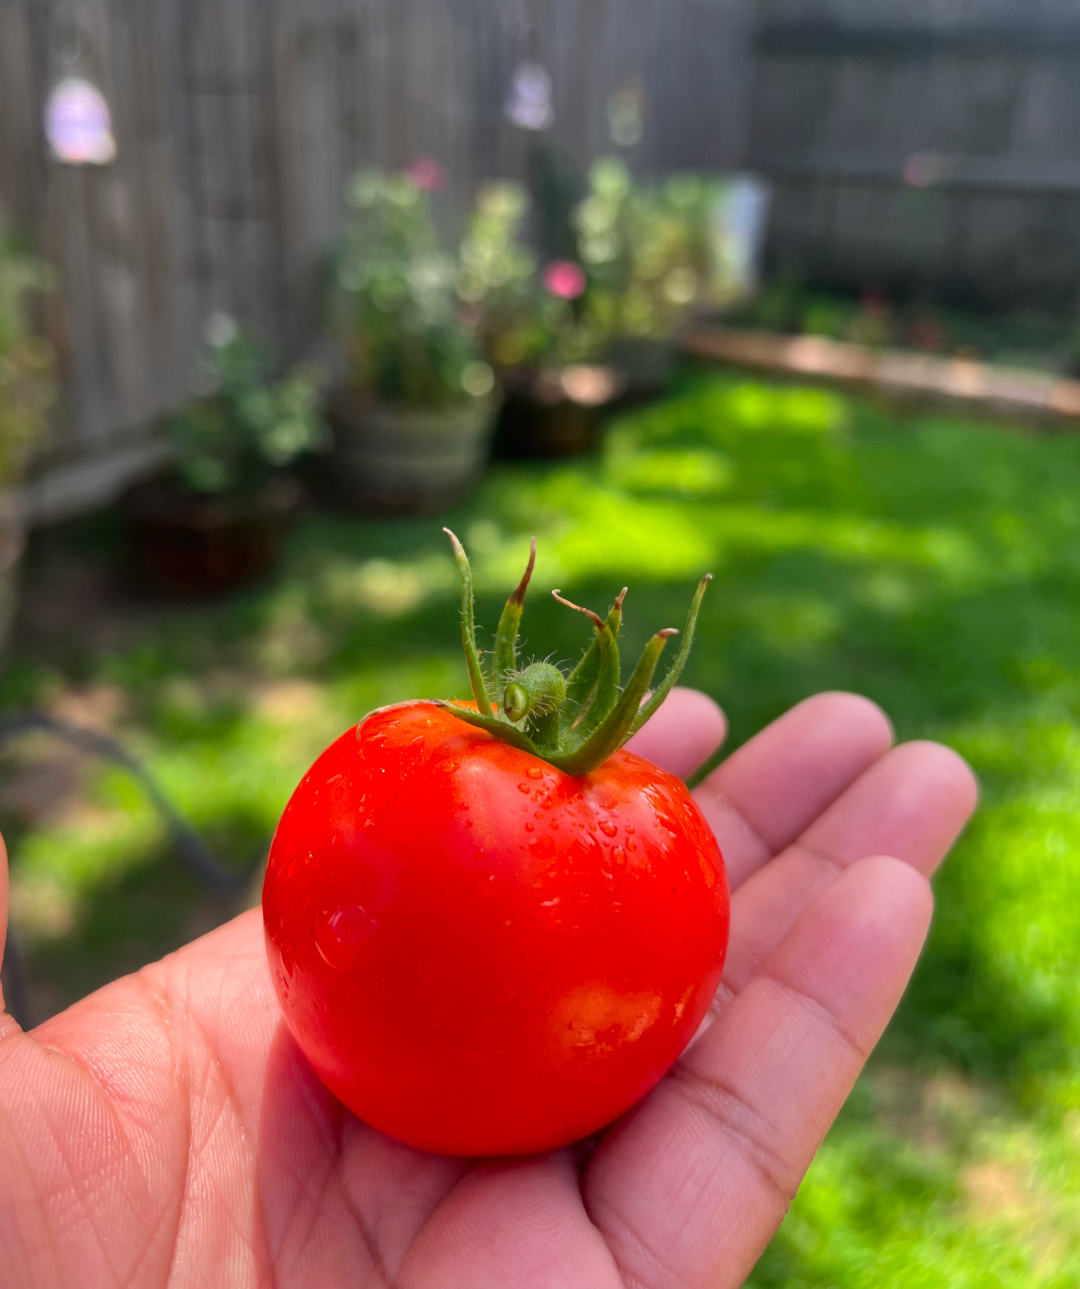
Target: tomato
{"points": [[479, 953], [492, 931]]}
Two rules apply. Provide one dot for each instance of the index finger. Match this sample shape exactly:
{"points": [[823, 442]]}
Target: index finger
{"points": [[684, 732]]}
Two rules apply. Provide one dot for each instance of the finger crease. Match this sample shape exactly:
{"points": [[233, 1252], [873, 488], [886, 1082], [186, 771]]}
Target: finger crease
{"points": [[722, 1103], [727, 802], [832, 864], [808, 1003], [723, 996], [371, 1243]]}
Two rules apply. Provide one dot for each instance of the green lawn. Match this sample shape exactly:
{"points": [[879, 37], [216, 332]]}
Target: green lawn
{"points": [[931, 563]]}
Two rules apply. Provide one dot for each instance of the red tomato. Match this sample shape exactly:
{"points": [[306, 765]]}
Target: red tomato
{"points": [[479, 953]]}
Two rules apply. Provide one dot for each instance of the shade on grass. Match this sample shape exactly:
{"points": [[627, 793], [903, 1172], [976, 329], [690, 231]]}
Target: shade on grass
{"points": [[930, 563]]}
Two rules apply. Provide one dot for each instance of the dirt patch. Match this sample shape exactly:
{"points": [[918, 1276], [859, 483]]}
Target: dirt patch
{"points": [[288, 702], [994, 1191]]}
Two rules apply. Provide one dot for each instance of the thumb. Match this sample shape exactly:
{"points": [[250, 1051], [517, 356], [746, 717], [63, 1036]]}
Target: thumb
{"points": [[9, 1023], [3, 898], [3, 924]]}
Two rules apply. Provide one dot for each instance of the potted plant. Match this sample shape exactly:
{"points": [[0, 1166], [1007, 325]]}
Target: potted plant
{"points": [[27, 393], [548, 355], [600, 325], [215, 519], [652, 255], [413, 419]]}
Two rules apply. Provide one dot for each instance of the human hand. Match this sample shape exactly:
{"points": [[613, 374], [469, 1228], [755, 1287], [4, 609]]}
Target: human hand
{"points": [[167, 1131]]}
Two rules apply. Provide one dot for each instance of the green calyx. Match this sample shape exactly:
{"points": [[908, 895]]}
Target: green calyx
{"points": [[574, 722]]}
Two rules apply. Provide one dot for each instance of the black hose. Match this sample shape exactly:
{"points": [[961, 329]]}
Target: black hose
{"points": [[190, 848]]}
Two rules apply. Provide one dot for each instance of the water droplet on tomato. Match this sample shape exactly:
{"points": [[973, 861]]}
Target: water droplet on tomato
{"points": [[539, 814], [524, 787], [534, 772], [608, 828], [530, 827], [630, 829], [342, 935], [591, 846], [604, 798], [631, 845], [618, 855]]}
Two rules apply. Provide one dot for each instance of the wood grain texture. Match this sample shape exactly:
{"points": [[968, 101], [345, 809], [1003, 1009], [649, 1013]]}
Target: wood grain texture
{"points": [[975, 100]]}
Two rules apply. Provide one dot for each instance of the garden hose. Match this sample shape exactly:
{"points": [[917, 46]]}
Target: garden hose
{"points": [[195, 855]]}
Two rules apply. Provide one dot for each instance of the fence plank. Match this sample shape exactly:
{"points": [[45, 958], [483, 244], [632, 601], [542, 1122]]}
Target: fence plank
{"points": [[21, 160]]}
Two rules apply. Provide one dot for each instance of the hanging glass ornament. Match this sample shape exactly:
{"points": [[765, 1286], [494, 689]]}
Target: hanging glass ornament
{"points": [[78, 124]]}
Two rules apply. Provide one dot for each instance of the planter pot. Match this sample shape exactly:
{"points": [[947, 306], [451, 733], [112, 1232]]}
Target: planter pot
{"points": [[12, 541], [556, 412], [182, 543], [399, 460]]}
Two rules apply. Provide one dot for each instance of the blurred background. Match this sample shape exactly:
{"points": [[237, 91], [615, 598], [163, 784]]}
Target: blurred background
{"points": [[788, 291]]}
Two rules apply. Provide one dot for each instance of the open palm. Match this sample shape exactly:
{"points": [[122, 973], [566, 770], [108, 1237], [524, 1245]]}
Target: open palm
{"points": [[167, 1131]]}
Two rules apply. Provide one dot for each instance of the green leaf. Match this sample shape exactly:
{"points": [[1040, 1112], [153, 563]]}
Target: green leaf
{"points": [[615, 730], [468, 627], [506, 635], [678, 662], [582, 682]]}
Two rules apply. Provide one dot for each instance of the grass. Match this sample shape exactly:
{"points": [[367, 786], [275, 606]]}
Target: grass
{"points": [[931, 563]]}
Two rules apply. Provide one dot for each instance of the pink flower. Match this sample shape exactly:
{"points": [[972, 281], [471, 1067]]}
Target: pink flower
{"points": [[426, 173], [565, 279]]}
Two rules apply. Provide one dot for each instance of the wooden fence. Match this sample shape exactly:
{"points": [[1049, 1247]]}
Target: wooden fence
{"points": [[238, 123], [929, 146]]}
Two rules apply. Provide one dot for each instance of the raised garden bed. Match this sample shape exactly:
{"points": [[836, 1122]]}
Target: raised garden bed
{"points": [[1015, 392]]}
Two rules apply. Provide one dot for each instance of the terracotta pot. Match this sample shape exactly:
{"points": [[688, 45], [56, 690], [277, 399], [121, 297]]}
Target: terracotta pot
{"points": [[556, 412], [186, 543], [12, 542], [395, 459]]}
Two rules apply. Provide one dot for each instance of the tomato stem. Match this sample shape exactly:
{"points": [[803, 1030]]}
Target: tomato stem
{"points": [[575, 723], [536, 696], [614, 730]]}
